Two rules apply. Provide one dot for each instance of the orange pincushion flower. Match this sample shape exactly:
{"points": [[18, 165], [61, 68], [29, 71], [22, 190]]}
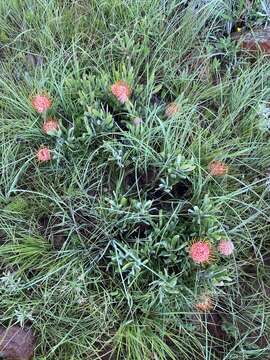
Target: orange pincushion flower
{"points": [[172, 109], [41, 103], [205, 303], [44, 154], [226, 247], [201, 251], [121, 91], [51, 125], [218, 168]]}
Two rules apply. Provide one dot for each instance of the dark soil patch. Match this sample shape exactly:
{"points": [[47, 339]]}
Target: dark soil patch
{"points": [[182, 190], [149, 180], [138, 232], [48, 229], [164, 200], [141, 180], [103, 352], [157, 100], [16, 343], [214, 326], [88, 225]]}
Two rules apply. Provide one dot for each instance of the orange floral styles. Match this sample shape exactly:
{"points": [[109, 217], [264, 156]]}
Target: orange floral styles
{"points": [[218, 168], [201, 251], [44, 154], [121, 91], [51, 125], [41, 103], [172, 109], [205, 304]]}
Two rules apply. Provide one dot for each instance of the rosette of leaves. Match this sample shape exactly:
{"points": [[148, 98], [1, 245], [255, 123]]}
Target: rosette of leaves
{"points": [[85, 89], [125, 261], [167, 240], [128, 213], [205, 219], [98, 120], [176, 168]]}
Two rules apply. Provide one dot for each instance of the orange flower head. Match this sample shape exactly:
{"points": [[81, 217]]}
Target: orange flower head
{"points": [[41, 103], [205, 304], [201, 251], [121, 91], [218, 168], [44, 154], [225, 247], [172, 109], [50, 126]]}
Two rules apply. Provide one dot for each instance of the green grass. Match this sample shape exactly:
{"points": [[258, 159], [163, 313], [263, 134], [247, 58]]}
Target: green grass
{"points": [[94, 243]]}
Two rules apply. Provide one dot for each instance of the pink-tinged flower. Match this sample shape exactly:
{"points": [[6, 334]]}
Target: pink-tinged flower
{"points": [[121, 91], [226, 247], [138, 121], [201, 251], [44, 154], [172, 109], [205, 303], [41, 103], [218, 168], [50, 126]]}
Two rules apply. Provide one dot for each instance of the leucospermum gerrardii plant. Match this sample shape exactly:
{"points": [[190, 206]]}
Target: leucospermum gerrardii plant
{"points": [[204, 303], [121, 90], [41, 103], [159, 253], [201, 251], [205, 219], [44, 154], [50, 126], [218, 168]]}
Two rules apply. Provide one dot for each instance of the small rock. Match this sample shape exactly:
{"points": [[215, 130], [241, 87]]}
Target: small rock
{"points": [[34, 60], [58, 240], [254, 41], [16, 343], [172, 109]]}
